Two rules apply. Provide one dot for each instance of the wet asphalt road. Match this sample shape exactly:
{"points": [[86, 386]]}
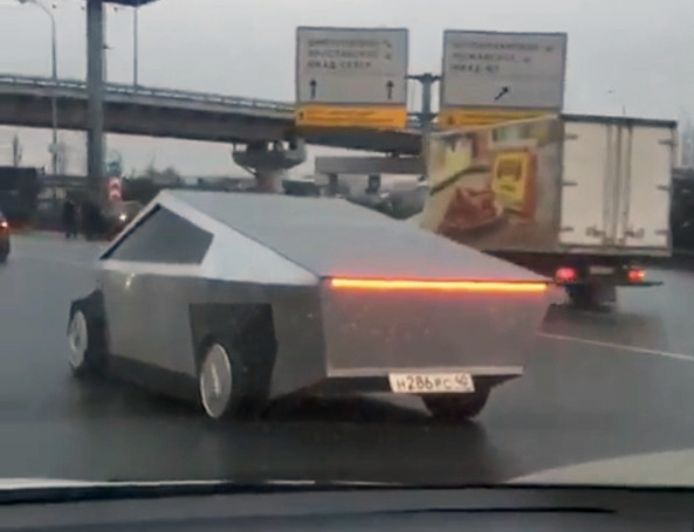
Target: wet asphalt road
{"points": [[600, 385]]}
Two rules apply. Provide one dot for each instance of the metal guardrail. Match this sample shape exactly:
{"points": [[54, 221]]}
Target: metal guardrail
{"points": [[131, 90]]}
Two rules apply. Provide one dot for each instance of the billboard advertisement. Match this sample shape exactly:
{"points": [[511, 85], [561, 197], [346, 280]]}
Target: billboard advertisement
{"points": [[496, 188]]}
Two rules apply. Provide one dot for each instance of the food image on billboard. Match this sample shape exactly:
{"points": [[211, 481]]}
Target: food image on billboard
{"points": [[513, 181], [495, 188]]}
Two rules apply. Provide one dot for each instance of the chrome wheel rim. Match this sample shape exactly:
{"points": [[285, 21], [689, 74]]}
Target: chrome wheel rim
{"points": [[78, 340], [216, 381]]}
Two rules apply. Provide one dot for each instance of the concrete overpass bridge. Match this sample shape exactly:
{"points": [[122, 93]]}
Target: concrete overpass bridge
{"points": [[98, 107], [26, 101]]}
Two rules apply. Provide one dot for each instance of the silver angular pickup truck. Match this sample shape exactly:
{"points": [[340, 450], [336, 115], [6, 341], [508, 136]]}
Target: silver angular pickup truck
{"points": [[232, 300]]}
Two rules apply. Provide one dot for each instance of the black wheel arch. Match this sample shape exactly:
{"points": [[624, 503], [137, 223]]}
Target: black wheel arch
{"points": [[93, 308], [92, 305], [245, 329]]}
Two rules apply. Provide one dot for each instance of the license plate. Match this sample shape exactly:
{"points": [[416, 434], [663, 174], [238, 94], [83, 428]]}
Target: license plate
{"points": [[422, 383], [601, 270]]}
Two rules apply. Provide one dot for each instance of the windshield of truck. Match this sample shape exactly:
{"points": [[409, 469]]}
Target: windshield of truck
{"points": [[403, 241]]}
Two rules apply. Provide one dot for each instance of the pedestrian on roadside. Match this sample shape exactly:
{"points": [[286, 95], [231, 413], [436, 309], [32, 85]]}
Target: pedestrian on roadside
{"points": [[70, 219]]}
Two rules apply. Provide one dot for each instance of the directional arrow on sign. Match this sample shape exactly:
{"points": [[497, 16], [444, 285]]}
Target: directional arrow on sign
{"points": [[504, 92], [314, 85], [389, 89]]}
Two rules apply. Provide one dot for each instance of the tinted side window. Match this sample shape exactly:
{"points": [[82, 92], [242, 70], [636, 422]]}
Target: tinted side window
{"points": [[164, 237]]}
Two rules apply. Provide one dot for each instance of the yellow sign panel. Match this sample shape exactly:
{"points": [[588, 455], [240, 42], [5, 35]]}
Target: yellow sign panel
{"points": [[453, 118], [513, 181], [375, 117]]}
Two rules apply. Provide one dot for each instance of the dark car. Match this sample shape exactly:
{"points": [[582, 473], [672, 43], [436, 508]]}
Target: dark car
{"points": [[4, 238]]}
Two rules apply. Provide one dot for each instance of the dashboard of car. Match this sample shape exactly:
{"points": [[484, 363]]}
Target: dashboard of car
{"points": [[503, 509]]}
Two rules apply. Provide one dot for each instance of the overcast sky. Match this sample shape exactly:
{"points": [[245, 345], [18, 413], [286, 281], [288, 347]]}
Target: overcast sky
{"points": [[636, 55]]}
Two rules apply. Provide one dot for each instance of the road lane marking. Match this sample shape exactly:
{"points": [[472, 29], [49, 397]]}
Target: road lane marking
{"points": [[623, 347]]}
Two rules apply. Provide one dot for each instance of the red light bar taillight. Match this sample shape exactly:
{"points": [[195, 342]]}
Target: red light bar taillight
{"points": [[565, 275], [636, 275], [437, 286]]}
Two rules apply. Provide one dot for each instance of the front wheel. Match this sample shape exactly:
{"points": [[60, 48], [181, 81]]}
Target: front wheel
{"points": [[85, 341], [456, 407]]}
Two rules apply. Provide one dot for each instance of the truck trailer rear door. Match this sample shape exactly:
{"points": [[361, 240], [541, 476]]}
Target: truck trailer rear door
{"points": [[584, 218], [645, 195], [616, 183]]}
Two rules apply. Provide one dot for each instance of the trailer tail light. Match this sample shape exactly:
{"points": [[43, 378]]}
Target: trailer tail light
{"points": [[636, 275], [4, 224], [391, 285], [565, 275]]}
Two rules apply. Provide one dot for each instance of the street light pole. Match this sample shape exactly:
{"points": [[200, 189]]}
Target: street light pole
{"points": [[95, 100], [54, 77], [54, 96], [136, 44]]}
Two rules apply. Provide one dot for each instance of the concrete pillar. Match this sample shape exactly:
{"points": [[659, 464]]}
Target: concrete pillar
{"points": [[269, 163], [333, 185], [95, 94], [269, 181]]}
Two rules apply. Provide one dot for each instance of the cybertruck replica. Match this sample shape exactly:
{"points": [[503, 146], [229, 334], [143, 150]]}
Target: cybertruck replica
{"points": [[232, 300]]}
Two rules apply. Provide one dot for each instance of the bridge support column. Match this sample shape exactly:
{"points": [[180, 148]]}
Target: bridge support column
{"points": [[269, 181], [95, 95], [269, 162]]}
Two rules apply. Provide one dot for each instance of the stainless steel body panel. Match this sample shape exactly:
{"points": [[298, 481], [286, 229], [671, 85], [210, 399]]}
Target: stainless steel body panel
{"points": [[372, 333], [322, 334], [147, 319], [151, 323], [298, 325]]}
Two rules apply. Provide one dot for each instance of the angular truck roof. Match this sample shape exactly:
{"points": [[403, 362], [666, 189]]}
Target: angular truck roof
{"points": [[334, 238]]}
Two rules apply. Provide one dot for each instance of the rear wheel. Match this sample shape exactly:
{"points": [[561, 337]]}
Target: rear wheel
{"points": [[456, 407], [223, 382]]}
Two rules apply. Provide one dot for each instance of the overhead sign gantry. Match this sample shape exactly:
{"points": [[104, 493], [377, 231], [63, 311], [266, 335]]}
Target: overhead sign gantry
{"points": [[491, 77], [351, 77]]}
